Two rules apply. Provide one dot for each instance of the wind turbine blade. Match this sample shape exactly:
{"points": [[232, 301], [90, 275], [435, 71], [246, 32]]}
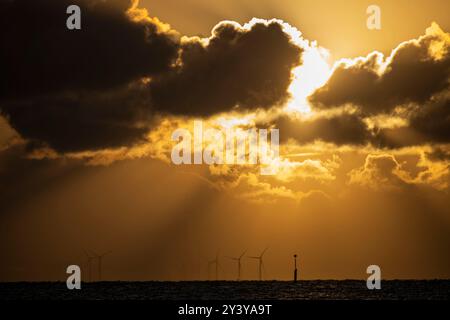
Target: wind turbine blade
{"points": [[264, 252], [242, 254], [88, 254]]}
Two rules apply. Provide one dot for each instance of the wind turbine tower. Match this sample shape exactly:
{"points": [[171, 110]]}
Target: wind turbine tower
{"points": [[260, 260], [238, 259], [90, 258], [216, 263]]}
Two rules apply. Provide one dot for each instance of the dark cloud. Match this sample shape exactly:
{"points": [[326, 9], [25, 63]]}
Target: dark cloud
{"points": [[418, 69], [84, 90], [40, 55], [397, 137], [428, 124], [84, 121], [433, 121], [439, 154], [416, 77], [249, 68], [340, 129], [79, 90]]}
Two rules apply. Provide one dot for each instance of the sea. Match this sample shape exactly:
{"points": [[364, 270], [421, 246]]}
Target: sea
{"points": [[229, 290]]}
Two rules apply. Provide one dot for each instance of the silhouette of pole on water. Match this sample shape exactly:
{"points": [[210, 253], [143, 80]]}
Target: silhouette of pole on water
{"points": [[295, 268]]}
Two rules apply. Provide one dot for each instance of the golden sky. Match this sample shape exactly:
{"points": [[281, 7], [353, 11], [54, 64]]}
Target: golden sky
{"points": [[363, 172], [337, 25]]}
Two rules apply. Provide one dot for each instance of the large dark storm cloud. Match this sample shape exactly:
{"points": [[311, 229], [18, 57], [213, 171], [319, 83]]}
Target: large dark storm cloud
{"points": [[77, 121], [40, 55], [417, 70], [78, 90], [248, 68], [84, 90]]}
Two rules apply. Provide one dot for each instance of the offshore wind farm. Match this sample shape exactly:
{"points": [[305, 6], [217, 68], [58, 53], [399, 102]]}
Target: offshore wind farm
{"points": [[249, 283], [226, 149]]}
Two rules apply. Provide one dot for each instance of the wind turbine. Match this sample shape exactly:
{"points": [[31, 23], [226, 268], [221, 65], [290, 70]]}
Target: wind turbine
{"points": [[238, 259], [295, 267], [89, 262], [216, 263], [261, 264], [100, 257]]}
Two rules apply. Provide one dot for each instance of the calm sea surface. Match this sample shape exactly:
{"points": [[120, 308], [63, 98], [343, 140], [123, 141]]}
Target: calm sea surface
{"points": [[229, 290]]}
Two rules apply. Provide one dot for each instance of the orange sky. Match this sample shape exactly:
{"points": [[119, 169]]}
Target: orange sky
{"points": [[337, 25], [364, 167]]}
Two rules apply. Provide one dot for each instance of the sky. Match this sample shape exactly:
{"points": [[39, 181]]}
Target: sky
{"points": [[339, 26], [87, 117]]}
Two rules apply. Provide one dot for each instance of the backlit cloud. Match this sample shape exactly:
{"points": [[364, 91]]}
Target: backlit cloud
{"points": [[414, 72]]}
